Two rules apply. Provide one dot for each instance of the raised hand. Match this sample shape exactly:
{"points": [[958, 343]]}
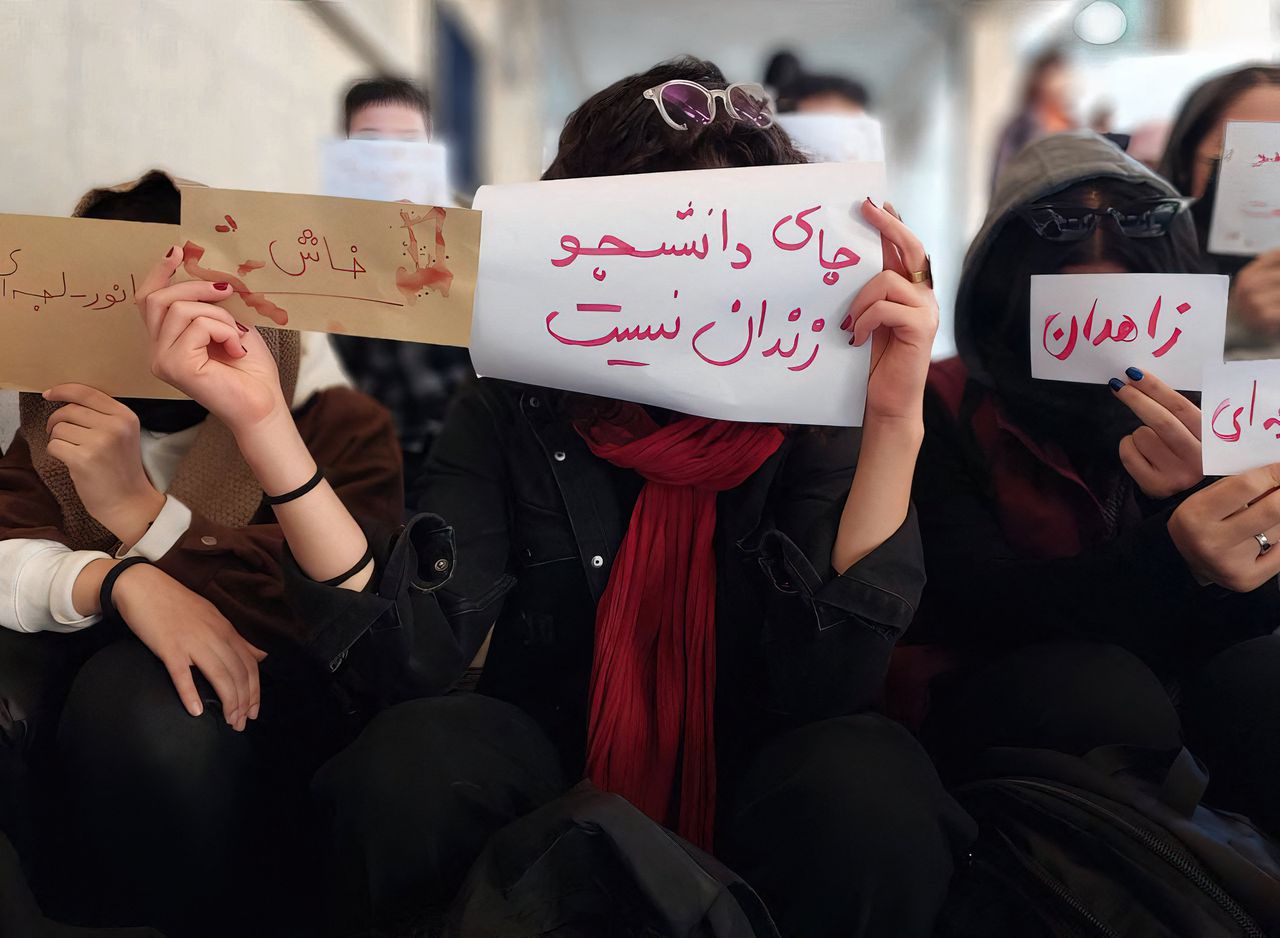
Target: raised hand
{"points": [[1163, 456]]}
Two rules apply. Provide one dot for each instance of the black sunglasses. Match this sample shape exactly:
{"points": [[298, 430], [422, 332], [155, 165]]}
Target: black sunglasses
{"points": [[1147, 218]]}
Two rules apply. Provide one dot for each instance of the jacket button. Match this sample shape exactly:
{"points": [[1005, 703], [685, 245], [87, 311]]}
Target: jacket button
{"points": [[441, 565], [209, 541], [597, 561], [535, 402], [558, 455]]}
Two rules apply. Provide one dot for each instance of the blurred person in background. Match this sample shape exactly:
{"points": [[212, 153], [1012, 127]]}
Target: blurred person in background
{"points": [[1046, 108], [800, 91], [1191, 161], [415, 381]]}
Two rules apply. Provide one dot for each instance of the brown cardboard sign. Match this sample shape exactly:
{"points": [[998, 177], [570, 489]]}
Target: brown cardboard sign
{"points": [[385, 269], [67, 303]]}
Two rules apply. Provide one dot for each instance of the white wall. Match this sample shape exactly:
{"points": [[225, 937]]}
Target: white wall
{"points": [[234, 93]]}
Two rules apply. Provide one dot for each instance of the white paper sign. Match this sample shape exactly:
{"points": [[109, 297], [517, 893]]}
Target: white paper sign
{"points": [[1246, 210], [1090, 327], [1240, 416], [719, 293], [386, 171], [836, 138]]}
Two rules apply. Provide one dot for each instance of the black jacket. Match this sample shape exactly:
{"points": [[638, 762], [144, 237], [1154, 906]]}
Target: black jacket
{"points": [[520, 524]]}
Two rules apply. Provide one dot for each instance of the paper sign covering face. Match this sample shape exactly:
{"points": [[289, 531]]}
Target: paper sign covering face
{"points": [[1090, 327], [836, 138], [386, 171], [1240, 416], [67, 303], [1246, 208], [719, 293], [348, 266]]}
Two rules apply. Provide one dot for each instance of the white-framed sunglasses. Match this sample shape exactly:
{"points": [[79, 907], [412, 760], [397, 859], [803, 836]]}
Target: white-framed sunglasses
{"points": [[745, 101]]}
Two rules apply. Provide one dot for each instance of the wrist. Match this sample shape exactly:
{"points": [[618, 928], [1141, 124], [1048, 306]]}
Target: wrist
{"points": [[130, 517], [905, 429], [276, 453], [86, 588]]}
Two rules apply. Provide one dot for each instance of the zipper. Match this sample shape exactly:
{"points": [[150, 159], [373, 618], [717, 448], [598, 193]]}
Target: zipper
{"points": [[1179, 859], [1059, 891]]}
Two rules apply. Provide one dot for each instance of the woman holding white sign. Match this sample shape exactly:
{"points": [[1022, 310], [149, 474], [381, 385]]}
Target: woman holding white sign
{"points": [[1071, 525], [1192, 162], [693, 613]]}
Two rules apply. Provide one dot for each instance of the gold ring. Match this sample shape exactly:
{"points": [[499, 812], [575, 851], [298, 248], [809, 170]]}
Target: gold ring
{"points": [[923, 276]]}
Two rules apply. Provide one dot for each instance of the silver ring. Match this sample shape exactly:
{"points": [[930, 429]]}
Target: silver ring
{"points": [[1264, 545]]}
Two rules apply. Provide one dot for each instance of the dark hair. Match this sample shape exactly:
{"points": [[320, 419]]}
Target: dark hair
{"points": [[782, 69], [154, 198], [1200, 113], [1046, 61], [386, 89], [1082, 417], [811, 86], [618, 131]]}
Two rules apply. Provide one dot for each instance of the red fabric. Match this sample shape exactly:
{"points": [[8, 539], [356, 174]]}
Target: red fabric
{"points": [[650, 735], [1044, 508]]}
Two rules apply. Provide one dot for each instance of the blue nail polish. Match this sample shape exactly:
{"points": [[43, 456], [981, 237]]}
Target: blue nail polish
{"points": [[1134, 373], [1116, 384]]}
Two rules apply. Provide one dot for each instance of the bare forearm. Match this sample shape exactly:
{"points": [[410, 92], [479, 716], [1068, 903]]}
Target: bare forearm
{"points": [[880, 495], [324, 538], [130, 518]]}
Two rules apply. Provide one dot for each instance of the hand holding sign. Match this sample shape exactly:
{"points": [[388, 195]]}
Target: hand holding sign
{"points": [[901, 318], [1163, 456], [200, 349], [1216, 530]]}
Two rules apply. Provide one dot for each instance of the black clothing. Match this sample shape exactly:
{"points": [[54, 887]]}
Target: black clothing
{"points": [[528, 524], [837, 820], [182, 821], [993, 584], [1075, 696], [841, 826]]}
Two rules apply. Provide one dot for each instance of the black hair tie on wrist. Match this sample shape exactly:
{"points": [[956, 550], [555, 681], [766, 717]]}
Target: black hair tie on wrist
{"points": [[297, 493], [343, 577], [105, 602]]}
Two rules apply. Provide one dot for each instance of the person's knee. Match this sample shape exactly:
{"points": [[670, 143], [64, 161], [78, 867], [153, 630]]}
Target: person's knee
{"points": [[859, 783], [123, 722], [1067, 696]]}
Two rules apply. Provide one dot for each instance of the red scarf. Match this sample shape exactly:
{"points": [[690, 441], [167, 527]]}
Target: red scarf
{"points": [[650, 734]]}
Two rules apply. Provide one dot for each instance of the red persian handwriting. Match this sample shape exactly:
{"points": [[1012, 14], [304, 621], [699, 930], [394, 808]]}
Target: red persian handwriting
{"points": [[436, 274], [1066, 339], [1233, 436]]}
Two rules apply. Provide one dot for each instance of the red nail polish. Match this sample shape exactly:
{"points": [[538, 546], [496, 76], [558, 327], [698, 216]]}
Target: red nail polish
{"points": [[221, 286], [242, 327], [169, 253], [245, 350], [848, 321], [872, 201]]}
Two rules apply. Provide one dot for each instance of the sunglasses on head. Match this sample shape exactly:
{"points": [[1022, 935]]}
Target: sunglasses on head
{"points": [[1146, 218], [683, 100]]}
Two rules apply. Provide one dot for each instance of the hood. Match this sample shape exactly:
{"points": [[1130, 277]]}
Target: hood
{"points": [[1044, 167]]}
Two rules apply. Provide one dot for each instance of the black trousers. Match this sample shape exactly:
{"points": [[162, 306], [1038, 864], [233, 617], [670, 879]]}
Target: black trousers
{"points": [[174, 821], [842, 826], [1072, 697]]}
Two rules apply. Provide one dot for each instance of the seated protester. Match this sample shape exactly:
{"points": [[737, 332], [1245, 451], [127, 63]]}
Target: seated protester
{"points": [[1191, 159], [785, 578], [171, 780], [413, 380], [1069, 522]]}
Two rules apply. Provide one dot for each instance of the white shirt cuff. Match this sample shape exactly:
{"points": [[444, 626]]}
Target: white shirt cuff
{"points": [[172, 522], [62, 608]]}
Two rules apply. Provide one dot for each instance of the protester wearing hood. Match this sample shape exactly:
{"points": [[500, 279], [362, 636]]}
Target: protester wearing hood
{"points": [[1191, 161], [174, 712], [1060, 513]]}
